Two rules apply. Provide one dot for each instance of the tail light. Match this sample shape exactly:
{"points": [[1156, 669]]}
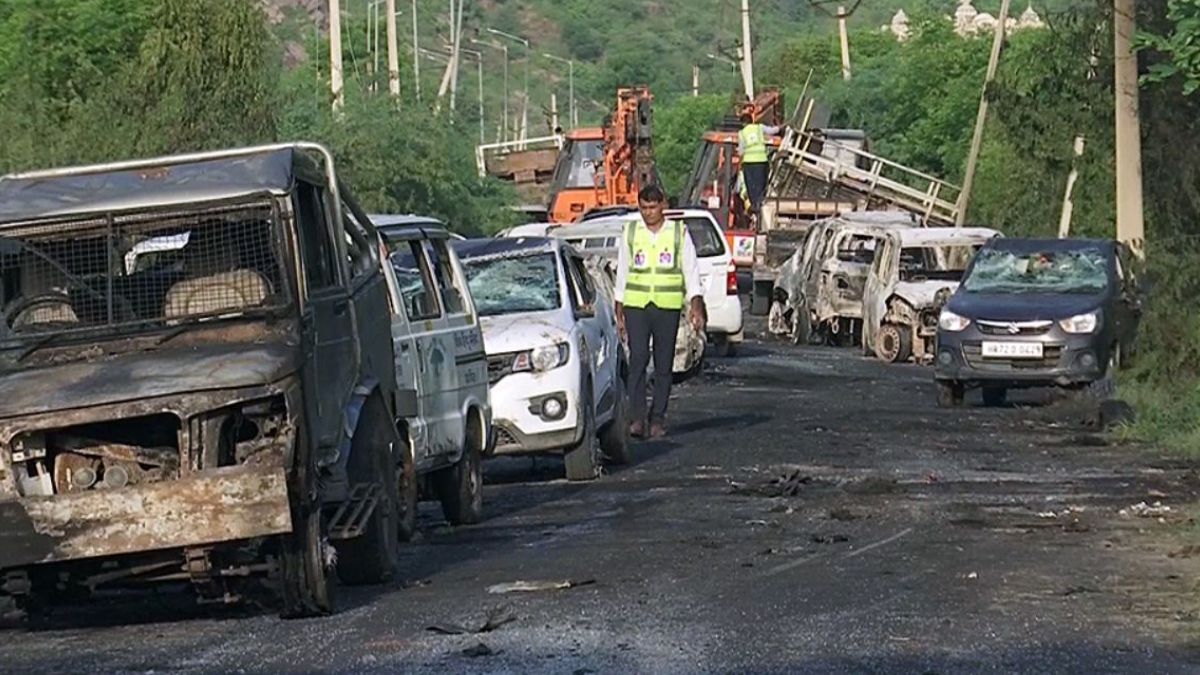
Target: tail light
{"points": [[731, 285]]}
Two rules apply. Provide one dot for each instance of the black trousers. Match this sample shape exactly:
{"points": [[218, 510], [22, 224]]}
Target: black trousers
{"points": [[641, 325], [755, 176]]}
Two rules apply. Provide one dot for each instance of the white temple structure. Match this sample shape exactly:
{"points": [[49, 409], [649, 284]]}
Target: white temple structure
{"points": [[969, 22]]}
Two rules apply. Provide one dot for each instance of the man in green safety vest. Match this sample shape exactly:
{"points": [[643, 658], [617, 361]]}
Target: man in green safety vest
{"points": [[657, 278], [752, 149]]}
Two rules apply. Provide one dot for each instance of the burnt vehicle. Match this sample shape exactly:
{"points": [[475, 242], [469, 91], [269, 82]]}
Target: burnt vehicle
{"points": [[220, 413], [914, 273], [1038, 312], [818, 294]]}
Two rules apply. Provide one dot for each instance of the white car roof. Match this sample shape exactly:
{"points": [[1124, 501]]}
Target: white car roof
{"points": [[612, 225], [531, 230], [945, 236]]}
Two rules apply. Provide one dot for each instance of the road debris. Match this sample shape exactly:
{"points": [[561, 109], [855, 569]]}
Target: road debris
{"points": [[1070, 510], [532, 586], [479, 650], [836, 538], [496, 618], [973, 575], [1144, 510], [844, 514], [872, 485], [788, 484]]}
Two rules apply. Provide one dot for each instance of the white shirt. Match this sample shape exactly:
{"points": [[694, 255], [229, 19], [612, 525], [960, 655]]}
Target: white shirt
{"points": [[690, 268]]}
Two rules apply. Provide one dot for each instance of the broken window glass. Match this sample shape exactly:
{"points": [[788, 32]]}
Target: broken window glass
{"points": [[1054, 271], [513, 284]]}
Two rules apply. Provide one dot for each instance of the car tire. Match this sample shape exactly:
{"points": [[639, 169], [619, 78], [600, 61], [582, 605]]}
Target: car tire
{"points": [[994, 397], [306, 581], [583, 461], [801, 326], [372, 557], [949, 394], [460, 487], [614, 440], [893, 343], [409, 492]]}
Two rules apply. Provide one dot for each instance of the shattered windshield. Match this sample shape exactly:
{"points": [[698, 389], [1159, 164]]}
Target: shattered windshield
{"points": [[145, 270], [513, 284], [1062, 271]]}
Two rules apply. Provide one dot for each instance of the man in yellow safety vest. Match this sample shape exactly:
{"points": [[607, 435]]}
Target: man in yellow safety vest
{"points": [[657, 278], [752, 149]]}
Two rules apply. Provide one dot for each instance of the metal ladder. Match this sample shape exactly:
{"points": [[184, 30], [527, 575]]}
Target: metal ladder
{"points": [[880, 181]]}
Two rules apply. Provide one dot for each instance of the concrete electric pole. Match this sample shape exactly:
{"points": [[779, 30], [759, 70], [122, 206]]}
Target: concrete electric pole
{"points": [[393, 47], [335, 55], [1131, 227], [964, 198], [747, 56], [845, 40]]}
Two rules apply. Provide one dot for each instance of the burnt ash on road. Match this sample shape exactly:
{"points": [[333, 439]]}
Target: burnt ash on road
{"points": [[908, 539]]}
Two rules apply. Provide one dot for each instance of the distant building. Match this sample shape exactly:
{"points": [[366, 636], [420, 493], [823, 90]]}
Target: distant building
{"points": [[969, 22]]}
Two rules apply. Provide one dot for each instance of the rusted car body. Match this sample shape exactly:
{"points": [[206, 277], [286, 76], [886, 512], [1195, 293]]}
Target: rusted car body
{"points": [[219, 415], [819, 290], [915, 272]]}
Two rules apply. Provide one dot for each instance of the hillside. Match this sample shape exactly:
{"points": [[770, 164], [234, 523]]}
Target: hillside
{"points": [[614, 42]]}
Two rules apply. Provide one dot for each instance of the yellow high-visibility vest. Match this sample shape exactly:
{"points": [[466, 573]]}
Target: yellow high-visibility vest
{"points": [[655, 274], [754, 144]]}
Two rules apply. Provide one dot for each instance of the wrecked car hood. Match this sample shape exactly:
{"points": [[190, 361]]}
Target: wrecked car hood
{"points": [[141, 375], [921, 294], [507, 333], [1023, 306]]}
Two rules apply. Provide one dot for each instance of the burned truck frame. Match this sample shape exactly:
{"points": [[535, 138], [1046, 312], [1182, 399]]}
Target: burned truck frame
{"points": [[221, 416]]}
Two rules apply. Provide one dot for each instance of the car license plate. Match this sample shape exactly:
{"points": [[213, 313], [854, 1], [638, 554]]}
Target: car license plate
{"points": [[1012, 350]]}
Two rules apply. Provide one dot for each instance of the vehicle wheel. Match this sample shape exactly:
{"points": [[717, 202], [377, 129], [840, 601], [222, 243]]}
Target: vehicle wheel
{"points": [[760, 299], [802, 331], [614, 440], [409, 492], [460, 487], [994, 396], [949, 394], [893, 343], [305, 568], [371, 558], [583, 461], [1106, 386]]}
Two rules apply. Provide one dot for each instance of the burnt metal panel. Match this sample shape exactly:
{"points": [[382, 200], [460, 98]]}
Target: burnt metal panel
{"points": [[223, 505]]}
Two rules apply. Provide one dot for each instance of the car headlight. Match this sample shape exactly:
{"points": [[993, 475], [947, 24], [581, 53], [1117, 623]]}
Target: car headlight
{"points": [[1081, 323], [546, 357], [952, 322]]}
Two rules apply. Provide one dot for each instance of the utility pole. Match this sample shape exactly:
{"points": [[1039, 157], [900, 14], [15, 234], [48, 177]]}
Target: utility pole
{"points": [[524, 125], [574, 116], [845, 38], [695, 80], [393, 48], [456, 56], [747, 56], [416, 53], [1131, 227], [375, 45], [503, 48], [446, 76], [553, 110], [335, 55], [1064, 221], [964, 198]]}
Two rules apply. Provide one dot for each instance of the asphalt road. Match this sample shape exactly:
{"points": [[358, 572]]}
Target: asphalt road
{"points": [[918, 540]]}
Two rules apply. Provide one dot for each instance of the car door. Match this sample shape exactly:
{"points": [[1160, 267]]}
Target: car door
{"points": [[328, 330], [404, 348], [598, 327], [462, 337], [1128, 298], [422, 306], [879, 281], [369, 295]]}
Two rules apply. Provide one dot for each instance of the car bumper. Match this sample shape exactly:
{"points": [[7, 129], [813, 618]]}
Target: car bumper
{"points": [[217, 506], [1067, 359], [519, 423], [725, 318]]}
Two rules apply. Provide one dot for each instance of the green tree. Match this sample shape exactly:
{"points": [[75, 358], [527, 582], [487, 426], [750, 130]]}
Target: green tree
{"points": [[678, 129]]}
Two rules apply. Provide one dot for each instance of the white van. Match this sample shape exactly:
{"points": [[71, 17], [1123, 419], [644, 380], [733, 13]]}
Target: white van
{"points": [[441, 368], [718, 275]]}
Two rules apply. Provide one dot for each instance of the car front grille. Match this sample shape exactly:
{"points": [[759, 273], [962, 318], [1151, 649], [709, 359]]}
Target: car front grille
{"points": [[1014, 328], [973, 353], [500, 365], [504, 438]]}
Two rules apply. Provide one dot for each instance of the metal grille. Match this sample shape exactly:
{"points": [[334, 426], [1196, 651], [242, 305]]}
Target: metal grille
{"points": [[1015, 328], [500, 365], [504, 439], [973, 352], [144, 269]]}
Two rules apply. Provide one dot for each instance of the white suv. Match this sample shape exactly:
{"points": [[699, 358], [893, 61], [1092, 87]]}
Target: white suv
{"points": [[554, 358], [718, 274]]}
